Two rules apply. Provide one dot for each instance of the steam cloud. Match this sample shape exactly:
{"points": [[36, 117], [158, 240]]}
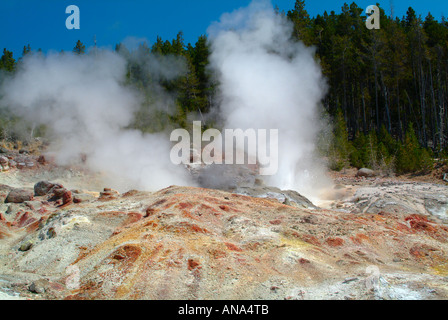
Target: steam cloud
{"points": [[84, 102], [268, 81]]}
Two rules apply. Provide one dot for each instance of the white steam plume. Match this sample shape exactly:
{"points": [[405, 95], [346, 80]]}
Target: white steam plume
{"points": [[83, 101], [268, 81]]}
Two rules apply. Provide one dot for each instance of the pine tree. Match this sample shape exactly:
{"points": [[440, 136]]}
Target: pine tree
{"points": [[26, 50], [157, 47], [302, 22], [359, 158], [412, 157], [79, 48], [411, 17], [7, 62], [380, 81], [178, 46], [340, 148]]}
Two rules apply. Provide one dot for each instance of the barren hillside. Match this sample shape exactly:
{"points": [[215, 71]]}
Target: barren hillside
{"points": [[379, 238]]}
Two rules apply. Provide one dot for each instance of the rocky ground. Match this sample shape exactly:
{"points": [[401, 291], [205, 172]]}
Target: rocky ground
{"points": [[61, 237]]}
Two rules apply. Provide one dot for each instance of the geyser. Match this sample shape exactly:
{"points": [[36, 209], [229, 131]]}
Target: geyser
{"points": [[83, 100], [268, 81]]}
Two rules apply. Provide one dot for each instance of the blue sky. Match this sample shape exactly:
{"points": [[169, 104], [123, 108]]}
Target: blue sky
{"points": [[41, 23]]}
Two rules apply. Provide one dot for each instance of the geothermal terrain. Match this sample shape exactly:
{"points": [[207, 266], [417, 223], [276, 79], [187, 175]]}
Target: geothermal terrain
{"points": [[64, 235]]}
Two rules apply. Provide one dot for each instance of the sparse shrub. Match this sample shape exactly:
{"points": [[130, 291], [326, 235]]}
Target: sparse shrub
{"points": [[411, 156], [340, 147], [359, 156]]}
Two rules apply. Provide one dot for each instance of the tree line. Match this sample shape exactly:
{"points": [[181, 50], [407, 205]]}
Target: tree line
{"points": [[388, 88]]}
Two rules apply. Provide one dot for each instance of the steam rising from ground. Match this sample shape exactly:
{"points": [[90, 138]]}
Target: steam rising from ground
{"points": [[268, 81], [83, 101]]}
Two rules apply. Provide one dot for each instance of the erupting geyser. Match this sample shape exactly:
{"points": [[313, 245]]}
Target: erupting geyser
{"points": [[268, 81]]}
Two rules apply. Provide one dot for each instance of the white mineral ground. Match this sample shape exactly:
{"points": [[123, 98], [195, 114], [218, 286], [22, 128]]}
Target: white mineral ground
{"points": [[210, 244]]}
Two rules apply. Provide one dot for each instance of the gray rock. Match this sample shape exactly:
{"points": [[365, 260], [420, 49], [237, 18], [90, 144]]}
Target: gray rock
{"points": [[42, 188], [39, 286], [27, 245], [364, 172], [348, 280], [298, 200], [59, 192], [83, 197], [287, 197], [19, 196]]}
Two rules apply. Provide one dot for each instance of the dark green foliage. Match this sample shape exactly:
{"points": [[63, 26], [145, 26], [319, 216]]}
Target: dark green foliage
{"points": [[388, 77], [340, 148], [191, 87], [380, 83], [7, 62], [79, 48], [359, 158], [382, 80], [26, 50], [411, 156], [302, 22]]}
